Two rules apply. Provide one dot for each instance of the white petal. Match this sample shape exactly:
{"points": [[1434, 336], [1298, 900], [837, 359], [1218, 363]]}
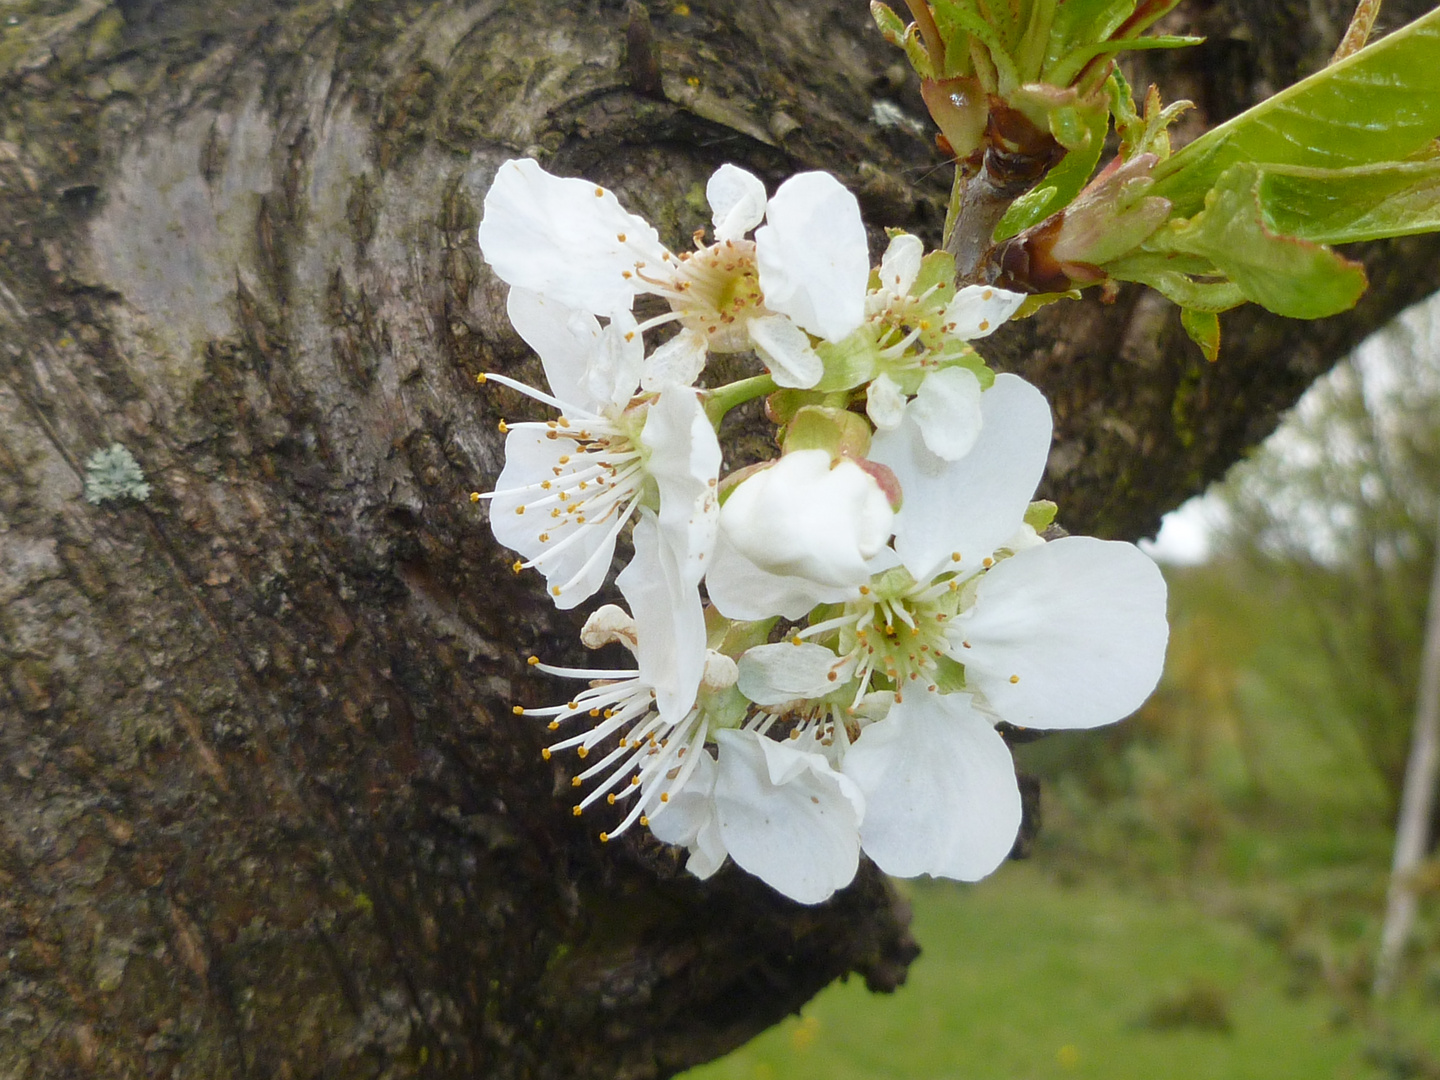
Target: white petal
{"points": [[669, 622], [884, 403], [1080, 621], [530, 457], [737, 199], [615, 369], [771, 674], [786, 351], [687, 811], [900, 265], [813, 257], [947, 408], [566, 340], [940, 790], [786, 816], [562, 237], [973, 505], [676, 363], [741, 590], [685, 462], [978, 310], [809, 516]]}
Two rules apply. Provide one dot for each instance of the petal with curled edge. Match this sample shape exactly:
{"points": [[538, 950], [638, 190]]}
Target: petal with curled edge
{"points": [[669, 622], [678, 362], [786, 351], [566, 339], [884, 403], [786, 816], [688, 819], [565, 238], [784, 671], [971, 506], [813, 258], [947, 410], [978, 310], [900, 265], [737, 200], [940, 791], [685, 462], [1069, 634]]}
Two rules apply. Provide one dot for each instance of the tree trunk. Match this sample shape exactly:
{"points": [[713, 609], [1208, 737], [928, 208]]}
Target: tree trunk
{"points": [[264, 808]]}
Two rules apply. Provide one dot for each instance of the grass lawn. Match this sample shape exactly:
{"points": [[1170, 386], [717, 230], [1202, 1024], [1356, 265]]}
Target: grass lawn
{"points": [[1023, 979]]}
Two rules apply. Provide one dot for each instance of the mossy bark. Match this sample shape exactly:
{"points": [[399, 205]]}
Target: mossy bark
{"points": [[264, 809]]}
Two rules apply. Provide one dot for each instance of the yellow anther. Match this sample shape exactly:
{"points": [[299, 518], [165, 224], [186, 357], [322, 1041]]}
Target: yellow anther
{"points": [[474, 496], [545, 485], [604, 837], [634, 780], [645, 821], [796, 640], [610, 798], [987, 294], [594, 712], [544, 538], [575, 781], [554, 725], [988, 563], [864, 590], [520, 509], [504, 428], [517, 566], [984, 324], [1014, 678], [620, 237], [954, 556], [518, 710], [664, 796], [545, 753], [576, 811], [554, 590], [532, 661], [564, 459], [795, 734], [599, 192], [583, 752], [480, 378], [563, 422]]}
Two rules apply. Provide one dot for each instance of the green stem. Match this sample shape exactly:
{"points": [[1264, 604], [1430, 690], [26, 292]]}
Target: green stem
{"points": [[721, 400]]}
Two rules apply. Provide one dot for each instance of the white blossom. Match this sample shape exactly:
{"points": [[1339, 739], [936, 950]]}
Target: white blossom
{"points": [[803, 274], [570, 485]]}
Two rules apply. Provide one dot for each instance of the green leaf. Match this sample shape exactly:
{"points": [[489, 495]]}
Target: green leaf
{"points": [[1082, 22], [963, 16], [1204, 329], [1283, 274], [1343, 206], [892, 27], [1381, 104], [1065, 72], [1060, 186]]}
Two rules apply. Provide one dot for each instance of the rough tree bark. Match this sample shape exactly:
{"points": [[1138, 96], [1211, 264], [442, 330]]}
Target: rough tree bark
{"points": [[264, 810]]}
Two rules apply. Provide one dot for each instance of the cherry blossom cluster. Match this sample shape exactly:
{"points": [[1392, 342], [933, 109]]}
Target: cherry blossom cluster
{"points": [[824, 643]]}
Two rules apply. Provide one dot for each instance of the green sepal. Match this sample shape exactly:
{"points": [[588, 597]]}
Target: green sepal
{"points": [[782, 405], [1204, 329], [1040, 514], [731, 637], [836, 431], [850, 362], [949, 675], [960, 354]]}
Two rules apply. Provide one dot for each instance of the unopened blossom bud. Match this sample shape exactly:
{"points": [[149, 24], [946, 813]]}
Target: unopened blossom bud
{"points": [[810, 516]]}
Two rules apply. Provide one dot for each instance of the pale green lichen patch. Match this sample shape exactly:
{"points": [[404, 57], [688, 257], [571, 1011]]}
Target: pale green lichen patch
{"points": [[113, 475]]}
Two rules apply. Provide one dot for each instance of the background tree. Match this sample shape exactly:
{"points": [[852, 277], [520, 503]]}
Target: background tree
{"points": [[263, 807]]}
